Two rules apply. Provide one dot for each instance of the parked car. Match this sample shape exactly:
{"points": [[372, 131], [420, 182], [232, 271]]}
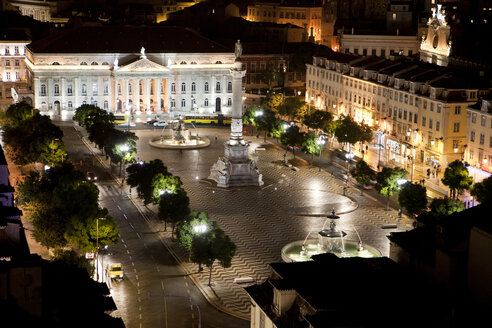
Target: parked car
{"points": [[161, 123], [91, 176], [151, 122], [115, 271]]}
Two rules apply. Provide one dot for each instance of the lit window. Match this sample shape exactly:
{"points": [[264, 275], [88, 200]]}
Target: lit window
{"points": [[205, 103]]}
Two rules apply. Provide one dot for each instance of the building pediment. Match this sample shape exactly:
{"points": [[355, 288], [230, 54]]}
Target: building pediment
{"points": [[143, 65]]}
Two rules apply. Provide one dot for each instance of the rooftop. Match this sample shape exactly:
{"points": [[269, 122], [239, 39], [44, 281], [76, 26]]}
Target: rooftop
{"points": [[127, 39]]}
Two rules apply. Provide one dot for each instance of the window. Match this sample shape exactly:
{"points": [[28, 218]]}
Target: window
{"points": [[7, 76], [70, 105], [410, 117], [173, 87], [17, 63], [94, 89], [83, 63], [7, 51], [253, 68], [183, 87], [129, 88], [69, 90], [457, 110], [405, 115], [432, 106], [416, 118], [229, 101], [229, 86], [193, 87], [217, 87], [84, 90], [119, 89], [483, 120], [7, 62], [430, 123], [425, 104], [471, 154], [173, 103], [57, 90], [16, 50], [183, 102], [474, 118], [206, 87], [205, 102], [482, 138], [490, 142], [43, 90], [106, 105], [438, 125], [424, 119], [439, 106], [456, 127], [106, 89], [472, 136], [93, 63], [17, 76], [383, 52]]}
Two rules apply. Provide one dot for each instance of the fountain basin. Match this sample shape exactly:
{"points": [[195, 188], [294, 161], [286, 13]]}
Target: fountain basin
{"points": [[167, 142], [292, 251]]}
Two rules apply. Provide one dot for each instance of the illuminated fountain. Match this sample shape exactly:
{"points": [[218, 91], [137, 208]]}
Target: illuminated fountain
{"points": [[180, 138], [329, 240]]}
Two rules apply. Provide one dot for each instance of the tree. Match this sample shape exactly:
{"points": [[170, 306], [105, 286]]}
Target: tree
{"points": [[173, 208], [272, 75], [441, 207], [185, 229], [273, 101], [87, 233], [413, 198], [87, 115], [387, 181], [482, 191], [321, 120], [456, 178], [278, 128], [140, 176], [49, 225], [292, 138], [310, 145], [162, 184], [363, 173], [293, 107], [17, 113], [212, 245], [351, 132]]}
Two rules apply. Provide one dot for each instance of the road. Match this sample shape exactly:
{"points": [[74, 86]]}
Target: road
{"points": [[150, 271]]}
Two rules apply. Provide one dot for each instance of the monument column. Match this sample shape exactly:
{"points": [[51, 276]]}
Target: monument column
{"points": [[236, 168], [115, 106], [127, 97]]}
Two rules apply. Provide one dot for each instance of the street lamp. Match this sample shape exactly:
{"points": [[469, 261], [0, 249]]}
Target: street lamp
{"points": [[349, 157], [258, 113], [321, 143], [123, 148], [199, 229], [97, 247]]}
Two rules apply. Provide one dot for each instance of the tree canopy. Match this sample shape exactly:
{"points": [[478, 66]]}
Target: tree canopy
{"points": [[321, 120], [140, 176], [413, 198], [441, 207], [292, 137], [363, 173], [351, 132], [387, 181], [482, 191], [456, 178], [174, 207]]}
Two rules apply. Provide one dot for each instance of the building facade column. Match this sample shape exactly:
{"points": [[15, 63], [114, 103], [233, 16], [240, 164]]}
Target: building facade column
{"points": [[75, 92], [159, 95], [147, 95], [115, 98], [63, 86], [127, 97]]}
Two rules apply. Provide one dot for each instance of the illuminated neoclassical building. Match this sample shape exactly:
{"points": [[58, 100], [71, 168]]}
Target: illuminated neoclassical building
{"points": [[138, 70]]}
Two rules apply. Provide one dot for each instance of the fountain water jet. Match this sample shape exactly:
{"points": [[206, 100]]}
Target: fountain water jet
{"points": [[181, 138]]}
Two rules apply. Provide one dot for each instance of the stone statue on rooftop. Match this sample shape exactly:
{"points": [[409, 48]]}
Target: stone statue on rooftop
{"points": [[238, 51], [142, 53], [116, 63]]}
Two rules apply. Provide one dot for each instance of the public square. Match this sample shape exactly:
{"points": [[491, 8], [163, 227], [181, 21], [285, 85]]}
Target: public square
{"points": [[259, 220]]}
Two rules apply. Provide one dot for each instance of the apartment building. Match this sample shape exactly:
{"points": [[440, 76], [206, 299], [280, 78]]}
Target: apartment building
{"points": [[306, 14], [479, 137], [12, 67], [417, 109]]}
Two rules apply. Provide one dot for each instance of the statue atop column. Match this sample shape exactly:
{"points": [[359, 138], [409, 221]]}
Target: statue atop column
{"points": [[142, 53], [238, 51], [115, 64]]}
